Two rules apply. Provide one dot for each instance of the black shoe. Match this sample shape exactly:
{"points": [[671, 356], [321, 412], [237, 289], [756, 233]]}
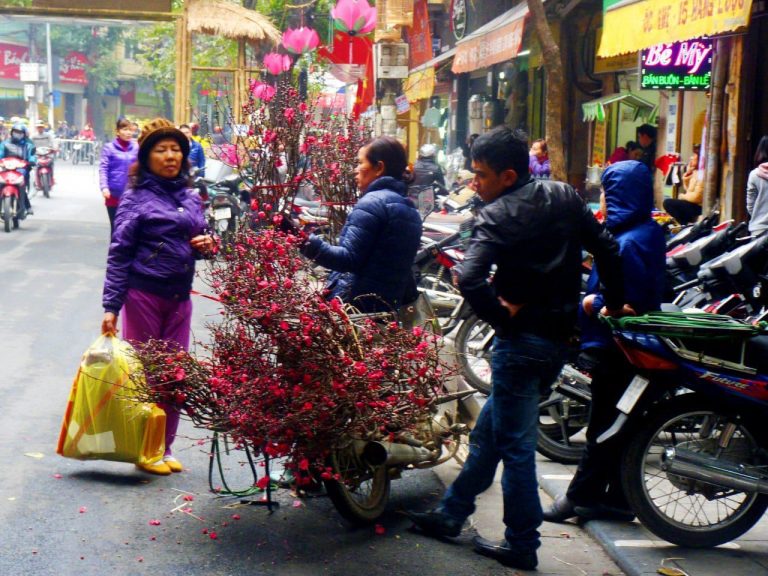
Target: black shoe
{"points": [[604, 512], [505, 555], [560, 510], [435, 523]]}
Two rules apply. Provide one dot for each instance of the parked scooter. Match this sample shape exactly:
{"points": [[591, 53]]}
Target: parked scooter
{"points": [[695, 470], [44, 173], [11, 191]]}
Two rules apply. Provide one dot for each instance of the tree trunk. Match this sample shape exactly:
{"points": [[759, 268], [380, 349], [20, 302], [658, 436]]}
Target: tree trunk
{"points": [[553, 67], [167, 104], [96, 108], [715, 126]]}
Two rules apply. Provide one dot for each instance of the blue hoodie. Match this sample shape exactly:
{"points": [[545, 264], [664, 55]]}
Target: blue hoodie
{"points": [[629, 199]]}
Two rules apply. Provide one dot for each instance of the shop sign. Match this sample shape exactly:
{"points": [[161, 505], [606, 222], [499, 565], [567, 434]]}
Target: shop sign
{"points": [[598, 143], [11, 57], [677, 66], [72, 69], [459, 18], [401, 104], [496, 46], [629, 26]]}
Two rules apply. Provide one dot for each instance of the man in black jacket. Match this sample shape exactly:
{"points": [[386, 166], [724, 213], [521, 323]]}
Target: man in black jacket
{"points": [[533, 231]]}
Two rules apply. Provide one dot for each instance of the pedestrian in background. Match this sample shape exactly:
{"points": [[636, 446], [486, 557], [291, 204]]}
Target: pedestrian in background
{"points": [[538, 164], [626, 202], [160, 231], [116, 159], [646, 137], [757, 190], [686, 208], [196, 153], [533, 231]]}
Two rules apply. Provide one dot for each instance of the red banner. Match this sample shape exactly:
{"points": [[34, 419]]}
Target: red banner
{"points": [[11, 55], [72, 68], [420, 37]]}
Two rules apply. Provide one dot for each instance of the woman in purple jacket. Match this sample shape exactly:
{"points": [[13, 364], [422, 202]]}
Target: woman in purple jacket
{"points": [[116, 158], [160, 231]]}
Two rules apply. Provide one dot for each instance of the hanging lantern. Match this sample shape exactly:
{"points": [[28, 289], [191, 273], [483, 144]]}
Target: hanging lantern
{"points": [[354, 17], [262, 91], [300, 40], [277, 63]]}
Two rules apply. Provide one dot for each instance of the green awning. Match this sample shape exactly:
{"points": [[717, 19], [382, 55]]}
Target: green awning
{"points": [[595, 109]]}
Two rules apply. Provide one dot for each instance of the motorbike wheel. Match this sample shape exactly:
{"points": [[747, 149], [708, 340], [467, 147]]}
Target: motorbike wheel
{"points": [[561, 419], [7, 213], [45, 183], [681, 510], [362, 492], [474, 358]]}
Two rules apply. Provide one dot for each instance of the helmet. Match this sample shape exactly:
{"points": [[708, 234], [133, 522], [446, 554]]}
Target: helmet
{"points": [[428, 151], [18, 127]]}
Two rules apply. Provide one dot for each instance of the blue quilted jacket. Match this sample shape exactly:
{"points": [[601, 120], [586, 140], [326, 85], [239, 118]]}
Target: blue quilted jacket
{"points": [[372, 263]]}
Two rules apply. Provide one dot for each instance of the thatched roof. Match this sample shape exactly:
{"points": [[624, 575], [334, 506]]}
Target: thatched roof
{"points": [[222, 18]]}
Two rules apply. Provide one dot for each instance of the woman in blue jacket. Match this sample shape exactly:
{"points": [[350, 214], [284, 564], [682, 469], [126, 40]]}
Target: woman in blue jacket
{"points": [[372, 262], [595, 491], [160, 231], [116, 158]]}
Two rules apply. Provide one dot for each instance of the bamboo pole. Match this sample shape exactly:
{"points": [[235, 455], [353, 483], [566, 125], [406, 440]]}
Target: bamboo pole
{"points": [[715, 125]]}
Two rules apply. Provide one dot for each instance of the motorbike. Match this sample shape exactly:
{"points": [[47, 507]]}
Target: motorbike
{"points": [[44, 172], [223, 207], [11, 187], [695, 469], [367, 465]]}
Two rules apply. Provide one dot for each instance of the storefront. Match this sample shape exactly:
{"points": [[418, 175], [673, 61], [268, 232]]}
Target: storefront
{"points": [[675, 55]]}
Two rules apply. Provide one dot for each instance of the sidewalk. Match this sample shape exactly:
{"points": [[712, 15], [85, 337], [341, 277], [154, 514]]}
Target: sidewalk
{"points": [[568, 548]]}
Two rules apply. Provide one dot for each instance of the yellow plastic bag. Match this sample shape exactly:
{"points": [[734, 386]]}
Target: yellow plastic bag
{"points": [[103, 421]]}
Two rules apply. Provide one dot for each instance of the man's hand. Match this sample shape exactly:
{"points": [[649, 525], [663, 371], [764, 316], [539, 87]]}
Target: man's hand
{"points": [[625, 310], [106, 193], [513, 309], [588, 304]]}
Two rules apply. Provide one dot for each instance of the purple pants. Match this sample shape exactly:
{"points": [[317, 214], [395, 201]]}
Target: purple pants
{"points": [[148, 316]]}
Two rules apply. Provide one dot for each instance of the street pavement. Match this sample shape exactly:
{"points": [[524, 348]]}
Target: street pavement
{"points": [[63, 517]]}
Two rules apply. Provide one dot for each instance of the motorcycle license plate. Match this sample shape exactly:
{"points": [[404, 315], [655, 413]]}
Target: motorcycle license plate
{"points": [[632, 394], [222, 213]]}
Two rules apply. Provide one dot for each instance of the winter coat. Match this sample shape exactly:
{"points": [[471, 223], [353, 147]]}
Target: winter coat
{"points": [[197, 157], [24, 149], [629, 199], [534, 233], [539, 168], [150, 247], [376, 249], [757, 199], [113, 168], [427, 172]]}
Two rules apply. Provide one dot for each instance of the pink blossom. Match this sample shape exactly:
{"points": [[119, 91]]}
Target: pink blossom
{"points": [[277, 63], [354, 17], [262, 91], [300, 40]]}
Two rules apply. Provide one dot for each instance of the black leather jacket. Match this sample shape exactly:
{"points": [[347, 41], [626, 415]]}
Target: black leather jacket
{"points": [[427, 172], [534, 233]]}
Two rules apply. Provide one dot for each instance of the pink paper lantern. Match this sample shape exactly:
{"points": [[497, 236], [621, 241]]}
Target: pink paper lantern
{"points": [[262, 91], [277, 63], [300, 40], [354, 17]]}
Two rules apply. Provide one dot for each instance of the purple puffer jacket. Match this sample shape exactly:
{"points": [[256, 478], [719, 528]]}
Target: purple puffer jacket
{"points": [[150, 247], [538, 168], [114, 164]]}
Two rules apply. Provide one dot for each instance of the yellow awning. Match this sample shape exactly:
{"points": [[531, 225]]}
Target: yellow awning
{"points": [[420, 85], [644, 23]]}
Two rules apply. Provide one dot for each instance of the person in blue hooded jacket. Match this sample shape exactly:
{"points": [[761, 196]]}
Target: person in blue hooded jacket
{"points": [[372, 262], [626, 201]]}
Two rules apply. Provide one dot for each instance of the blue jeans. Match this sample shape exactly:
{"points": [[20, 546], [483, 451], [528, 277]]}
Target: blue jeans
{"points": [[506, 431]]}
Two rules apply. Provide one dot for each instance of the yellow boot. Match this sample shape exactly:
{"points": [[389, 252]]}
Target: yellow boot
{"points": [[160, 468]]}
